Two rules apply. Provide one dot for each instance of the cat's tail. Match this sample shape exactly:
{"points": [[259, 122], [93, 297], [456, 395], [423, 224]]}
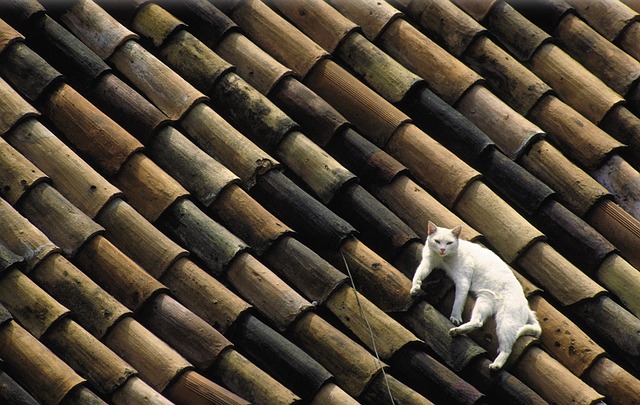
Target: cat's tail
{"points": [[531, 328]]}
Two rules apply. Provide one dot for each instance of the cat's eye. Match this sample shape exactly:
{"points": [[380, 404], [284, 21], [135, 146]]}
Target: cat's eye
{"points": [[448, 243], [436, 241]]}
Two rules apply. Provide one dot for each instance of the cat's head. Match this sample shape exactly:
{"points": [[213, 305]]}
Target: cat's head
{"points": [[443, 241]]}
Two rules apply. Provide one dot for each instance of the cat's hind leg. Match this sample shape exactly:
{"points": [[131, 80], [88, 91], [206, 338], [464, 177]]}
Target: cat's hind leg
{"points": [[507, 333], [482, 310]]}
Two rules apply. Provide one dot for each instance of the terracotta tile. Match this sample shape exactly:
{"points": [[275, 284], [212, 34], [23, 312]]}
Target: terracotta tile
{"points": [[319, 120], [8, 260], [117, 273], [516, 185], [125, 225], [8, 35], [253, 64], [373, 18], [92, 132], [418, 206], [44, 375], [331, 393], [505, 76], [48, 210], [307, 14], [191, 336], [240, 375], [280, 356], [73, 289], [578, 191], [375, 278], [603, 314], [168, 91], [89, 357], [12, 391], [85, 20], [33, 308], [156, 23], [359, 104], [511, 132], [563, 339], [251, 112], [628, 39], [434, 380], [458, 353], [615, 67], [461, 30], [207, 240], [320, 172], [314, 277], [136, 390], [194, 61], [65, 52], [352, 365], [445, 75], [24, 239], [393, 82], [13, 109], [618, 226], [608, 19], [346, 304], [290, 47], [204, 295], [85, 188], [132, 111], [243, 216], [573, 237], [475, 203], [553, 381], [200, 173], [573, 83], [377, 226], [228, 146], [300, 211], [274, 298], [156, 362], [414, 148], [557, 276], [149, 188], [20, 11], [617, 384], [370, 163], [191, 387], [618, 176], [206, 21], [580, 140], [516, 33], [621, 278], [17, 173]]}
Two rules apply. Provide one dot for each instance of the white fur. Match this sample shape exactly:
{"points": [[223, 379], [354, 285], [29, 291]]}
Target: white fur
{"points": [[479, 270]]}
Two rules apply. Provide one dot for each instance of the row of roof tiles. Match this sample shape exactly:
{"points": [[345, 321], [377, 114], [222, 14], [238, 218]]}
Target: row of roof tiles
{"points": [[160, 199]]}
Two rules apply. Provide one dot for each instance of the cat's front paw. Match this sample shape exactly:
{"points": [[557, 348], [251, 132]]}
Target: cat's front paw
{"points": [[456, 320], [415, 290], [494, 366], [453, 332]]}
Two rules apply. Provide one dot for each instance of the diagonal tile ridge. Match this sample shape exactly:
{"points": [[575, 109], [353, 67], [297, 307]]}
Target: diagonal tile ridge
{"points": [[503, 174], [212, 231]]}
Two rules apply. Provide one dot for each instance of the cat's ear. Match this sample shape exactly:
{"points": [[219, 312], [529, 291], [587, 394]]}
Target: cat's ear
{"points": [[456, 231], [432, 228]]}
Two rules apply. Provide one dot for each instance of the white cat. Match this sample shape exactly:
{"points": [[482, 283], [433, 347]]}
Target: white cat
{"points": [[479, 270]]}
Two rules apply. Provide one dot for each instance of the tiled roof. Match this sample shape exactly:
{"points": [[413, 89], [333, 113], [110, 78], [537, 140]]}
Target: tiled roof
{"points": [[225, 201]]}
